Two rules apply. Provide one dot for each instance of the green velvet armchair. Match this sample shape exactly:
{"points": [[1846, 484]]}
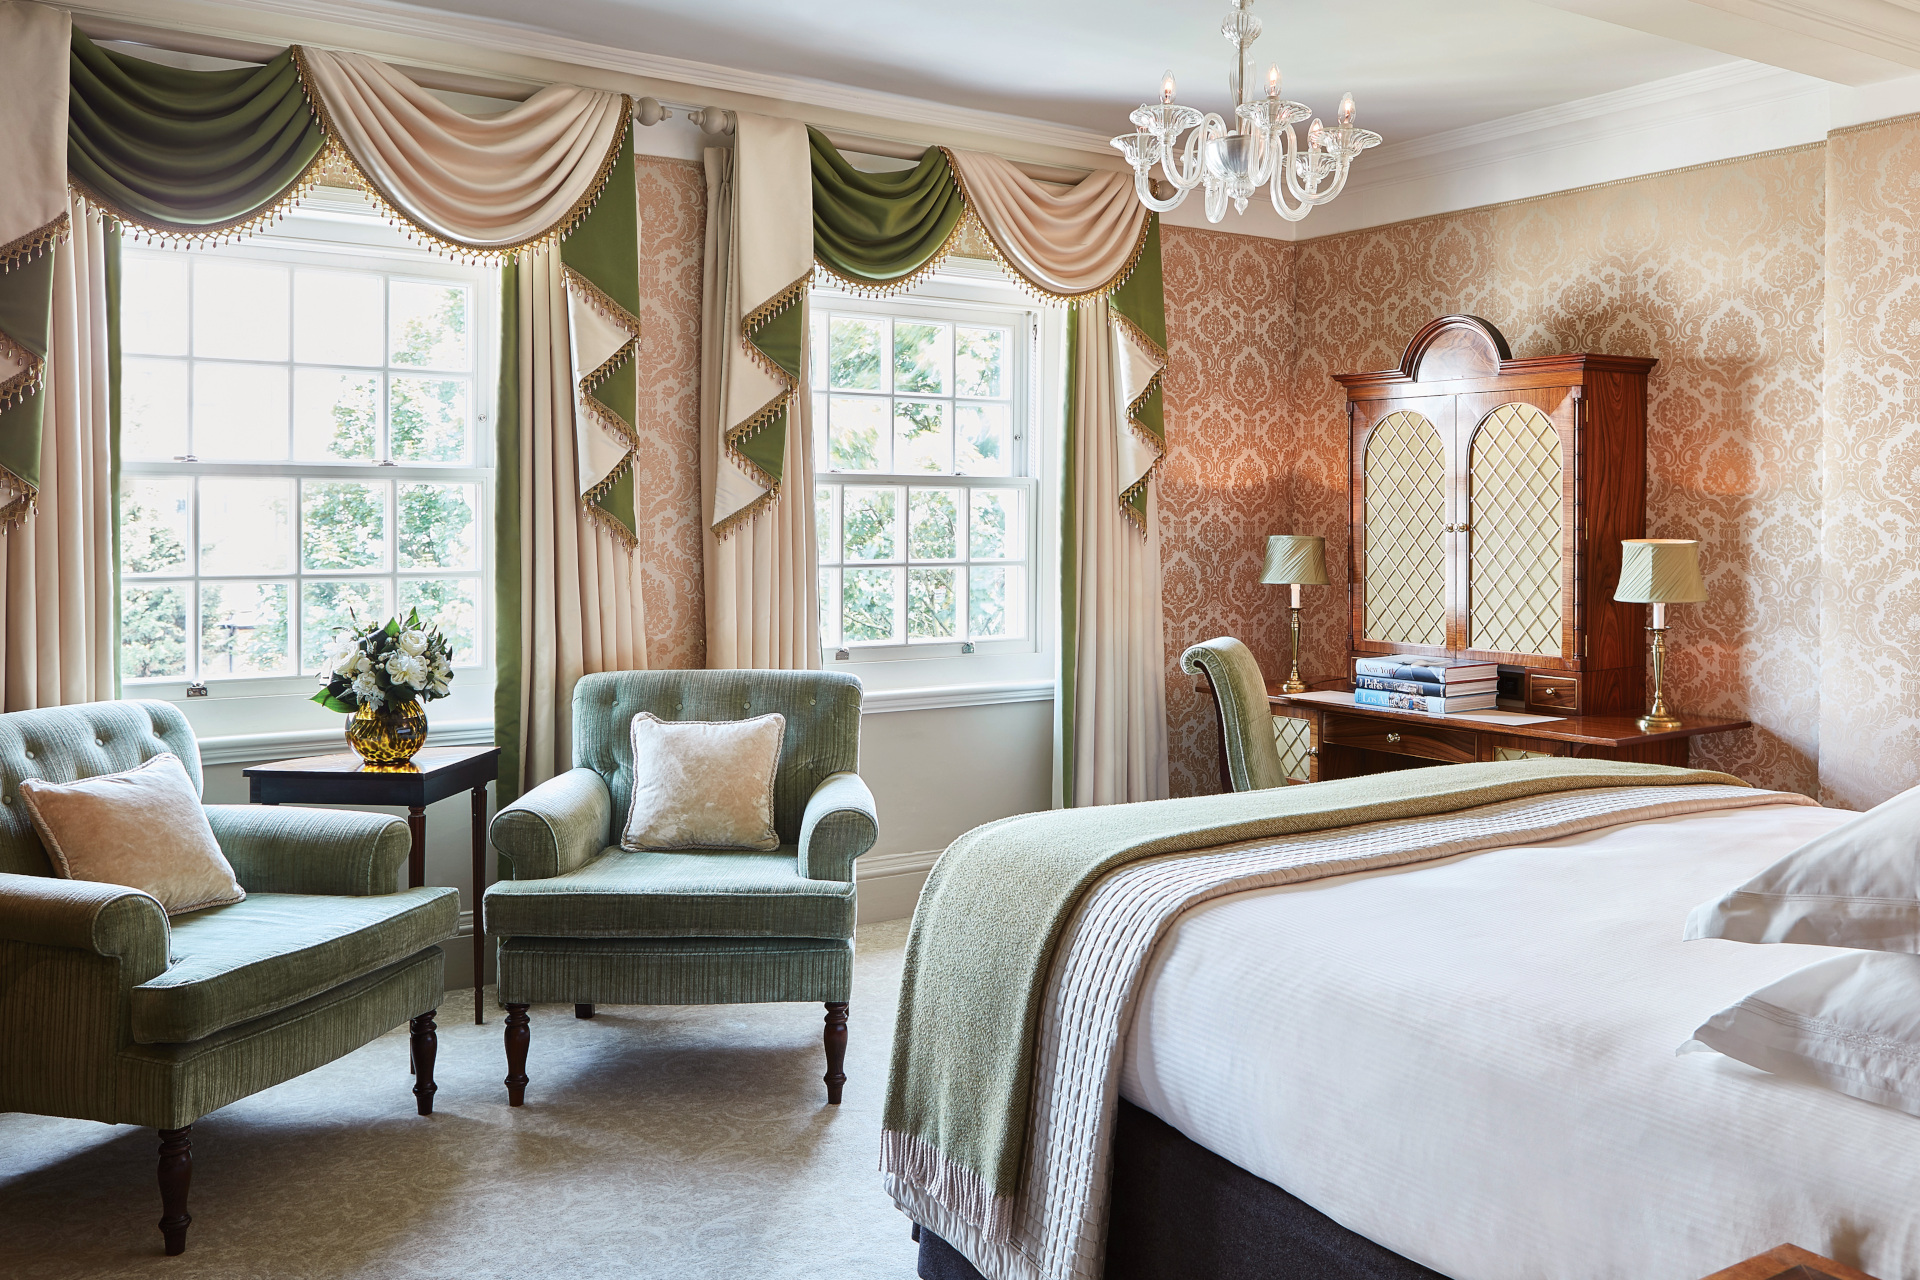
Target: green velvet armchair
{"points": [[585, 922], [1257, 749], [115, 1013]]}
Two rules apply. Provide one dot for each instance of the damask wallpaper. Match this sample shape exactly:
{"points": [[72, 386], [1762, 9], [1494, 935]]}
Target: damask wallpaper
{"points": [[1870, 570], [1718, 271], [673, 217]]}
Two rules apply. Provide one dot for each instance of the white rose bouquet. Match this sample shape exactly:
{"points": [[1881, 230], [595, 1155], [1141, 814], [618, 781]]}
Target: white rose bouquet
{"points": [[386, 664]]}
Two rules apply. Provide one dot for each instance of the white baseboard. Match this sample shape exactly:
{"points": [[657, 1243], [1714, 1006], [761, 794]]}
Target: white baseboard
{"points": [[887, 886]]}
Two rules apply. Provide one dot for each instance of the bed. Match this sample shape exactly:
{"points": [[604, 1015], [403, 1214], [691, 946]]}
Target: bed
{"points": [[1467, 1067]]}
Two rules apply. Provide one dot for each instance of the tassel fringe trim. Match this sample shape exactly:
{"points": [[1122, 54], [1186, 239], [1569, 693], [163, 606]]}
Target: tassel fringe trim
{"points": [[782, 403], [888, 288], [173, 235], [1027, 284], [586, 405], [18, 253], [17, 500]]}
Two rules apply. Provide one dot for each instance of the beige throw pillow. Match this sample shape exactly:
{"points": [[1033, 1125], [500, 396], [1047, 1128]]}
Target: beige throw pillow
{"points": [[143, 828], [703, 784]]}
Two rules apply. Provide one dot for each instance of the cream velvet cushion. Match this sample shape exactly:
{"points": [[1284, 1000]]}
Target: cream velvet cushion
{"points": [[1856, 886], [1851, 1024], [704, 784], [143, 828]]}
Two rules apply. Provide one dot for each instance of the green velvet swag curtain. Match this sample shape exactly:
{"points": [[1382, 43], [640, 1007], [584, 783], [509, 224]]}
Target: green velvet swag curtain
{"points": [[187, 153], [879, 232]]}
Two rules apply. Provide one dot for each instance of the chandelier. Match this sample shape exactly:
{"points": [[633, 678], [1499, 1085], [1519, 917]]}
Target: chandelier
{"points": [[1261, 147]]}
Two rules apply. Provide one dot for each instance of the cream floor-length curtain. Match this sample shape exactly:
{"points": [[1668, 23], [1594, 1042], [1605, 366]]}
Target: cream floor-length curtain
{"points": [[57, 570], [1112, 699], [762, 603], [580, 602]]}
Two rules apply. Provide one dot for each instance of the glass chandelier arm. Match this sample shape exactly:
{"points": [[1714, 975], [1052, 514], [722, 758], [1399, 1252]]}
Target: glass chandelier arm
{"points": [[1143, 190]]}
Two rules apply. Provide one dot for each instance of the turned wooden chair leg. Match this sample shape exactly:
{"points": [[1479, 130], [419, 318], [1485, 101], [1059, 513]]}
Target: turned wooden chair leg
{"points": [[176, 1171], [583, 1011], [424, 1043], [836, 1038], [517, 1036]]}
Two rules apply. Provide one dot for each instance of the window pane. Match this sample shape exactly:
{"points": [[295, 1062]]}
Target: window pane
{"points": [[244, 630], [153, 304], [338, 317], [822, 451], [872, 522], [933, 606], [239, 310], [816, 346], [922, 357], [933, 524], [343, 524], [826, 525], [427, 420], [996, 602], [868, 603], [336, 415], [437, 526], [859, 433], [153, 631], [156, 524], [240, 412], [921, 438], [979, 360], [429, 325], [985, 443], [993, 525], [829, 608], [246, 526], [327, 607], [857, 352], [153, 408], [452, 605]]}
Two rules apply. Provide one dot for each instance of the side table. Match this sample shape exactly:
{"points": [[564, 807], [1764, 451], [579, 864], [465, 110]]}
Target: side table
{"points": [[1789, 1262], [435, 774]]}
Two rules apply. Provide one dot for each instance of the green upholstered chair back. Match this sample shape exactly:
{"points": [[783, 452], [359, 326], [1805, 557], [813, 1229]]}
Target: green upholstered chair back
{"points": [[823, 725], [65, 744], [1246, 721]]}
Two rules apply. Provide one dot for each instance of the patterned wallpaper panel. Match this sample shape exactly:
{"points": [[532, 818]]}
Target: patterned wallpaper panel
{"points": [[1718, 272], [1870, 573], [673, 217]]}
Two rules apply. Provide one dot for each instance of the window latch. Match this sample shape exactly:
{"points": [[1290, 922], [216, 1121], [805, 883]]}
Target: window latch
{"points": [[842, 655], [197, 689], [966, 646]]}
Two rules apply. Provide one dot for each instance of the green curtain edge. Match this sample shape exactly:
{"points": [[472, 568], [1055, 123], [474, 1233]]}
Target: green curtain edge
{"points": [[506, 544], [604, 247], [1066, 688], [113, 428]]}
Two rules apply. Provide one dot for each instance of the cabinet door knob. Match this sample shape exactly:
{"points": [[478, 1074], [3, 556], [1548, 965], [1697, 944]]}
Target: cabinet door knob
{"points": [[1393, 737]]}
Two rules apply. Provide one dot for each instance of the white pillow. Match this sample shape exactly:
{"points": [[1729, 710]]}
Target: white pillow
{"points": [[1851, 1023], [1856, 886], [704, 784]]}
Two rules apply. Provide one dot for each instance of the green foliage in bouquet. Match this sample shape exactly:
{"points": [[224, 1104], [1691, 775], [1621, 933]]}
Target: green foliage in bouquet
{"points": [[386, 664]]}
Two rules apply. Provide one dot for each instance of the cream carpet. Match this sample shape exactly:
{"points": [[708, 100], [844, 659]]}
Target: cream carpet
{"points": [[686, 1142]]}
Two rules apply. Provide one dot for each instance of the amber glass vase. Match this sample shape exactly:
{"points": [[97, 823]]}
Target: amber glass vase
{"points": [[389, 736]]}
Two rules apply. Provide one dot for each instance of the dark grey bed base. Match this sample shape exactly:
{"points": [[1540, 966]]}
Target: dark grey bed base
{"points": [[1180, 1212]]}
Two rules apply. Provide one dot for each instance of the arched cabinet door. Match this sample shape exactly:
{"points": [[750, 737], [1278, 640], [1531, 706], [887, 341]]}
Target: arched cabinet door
{"points": [[1403, 463], [1517, 599]]}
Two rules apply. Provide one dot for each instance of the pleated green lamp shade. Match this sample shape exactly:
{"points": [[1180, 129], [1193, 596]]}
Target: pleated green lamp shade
{"points": [[1658, 571], [1296, 558]]}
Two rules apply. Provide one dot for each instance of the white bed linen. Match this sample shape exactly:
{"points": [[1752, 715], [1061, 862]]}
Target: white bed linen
{"points": [[1472, 1062]]}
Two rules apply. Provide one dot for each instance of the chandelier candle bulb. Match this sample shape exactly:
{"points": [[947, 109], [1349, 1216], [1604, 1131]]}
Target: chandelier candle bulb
{"points": [[1346, 110], [1273, 80], [1166, 88]]}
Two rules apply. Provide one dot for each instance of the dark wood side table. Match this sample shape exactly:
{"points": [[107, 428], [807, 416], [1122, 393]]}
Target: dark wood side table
{"points": [[435, 774], [1348, 740], [1789, 1262]]}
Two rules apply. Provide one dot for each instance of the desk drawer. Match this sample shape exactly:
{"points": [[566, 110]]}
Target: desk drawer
{"points": [[1431, 742]]}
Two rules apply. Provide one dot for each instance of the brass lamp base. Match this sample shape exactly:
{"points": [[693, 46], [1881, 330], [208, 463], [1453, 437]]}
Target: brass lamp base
{"points": [[1659, 724], [1294, 683], [1658, 719]]}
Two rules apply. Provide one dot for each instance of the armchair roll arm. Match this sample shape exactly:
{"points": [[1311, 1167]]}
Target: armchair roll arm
{"points": [[104, 919], [839, 825], [557, 826], [286, 849]]}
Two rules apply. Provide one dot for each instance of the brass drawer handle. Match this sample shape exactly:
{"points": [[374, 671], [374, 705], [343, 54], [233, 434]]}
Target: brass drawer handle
{"points": [[1393, 737]]}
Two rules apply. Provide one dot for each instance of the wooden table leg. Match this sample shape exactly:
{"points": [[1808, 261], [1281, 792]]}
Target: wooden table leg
{"points": [[479, 887], [417, 853]]}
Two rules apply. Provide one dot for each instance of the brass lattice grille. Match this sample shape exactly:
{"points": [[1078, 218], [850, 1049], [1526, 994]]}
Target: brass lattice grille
{"points": [[1405, 473], [1517, 753], [1515, 502], [1294, 738]]}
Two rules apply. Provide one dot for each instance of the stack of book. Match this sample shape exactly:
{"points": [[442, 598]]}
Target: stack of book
{"points": [[1437, 686]]}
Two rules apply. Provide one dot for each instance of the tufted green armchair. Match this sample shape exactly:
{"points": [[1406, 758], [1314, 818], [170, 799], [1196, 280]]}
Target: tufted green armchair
{"points": [[1257, 749], [115, 1013], [585, 922]]}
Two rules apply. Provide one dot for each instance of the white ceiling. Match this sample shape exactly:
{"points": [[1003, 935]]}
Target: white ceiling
{"points": [[1415, 67]]}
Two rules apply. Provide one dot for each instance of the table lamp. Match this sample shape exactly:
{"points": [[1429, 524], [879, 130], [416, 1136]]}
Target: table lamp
{"points": [[1660, 572], [1299, 561]]}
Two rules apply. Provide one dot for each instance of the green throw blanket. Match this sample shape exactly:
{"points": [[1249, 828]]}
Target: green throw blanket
{"points": [[993, 911]]}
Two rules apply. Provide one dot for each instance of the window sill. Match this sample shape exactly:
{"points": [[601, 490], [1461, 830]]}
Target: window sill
{"points": [[937, 697], [259, 748]]}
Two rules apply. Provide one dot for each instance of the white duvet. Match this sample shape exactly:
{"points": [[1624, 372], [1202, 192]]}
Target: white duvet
{"points": [[1472, 1063]]}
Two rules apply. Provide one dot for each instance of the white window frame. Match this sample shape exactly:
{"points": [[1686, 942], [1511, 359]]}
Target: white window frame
{"points": [[337, 229], [959, 290]]}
